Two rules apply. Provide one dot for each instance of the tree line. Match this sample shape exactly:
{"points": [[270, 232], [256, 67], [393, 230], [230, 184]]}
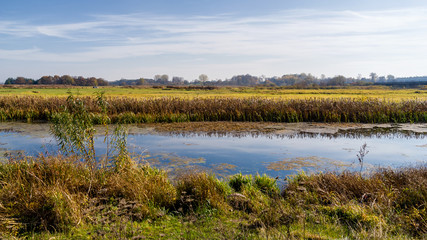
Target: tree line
{"points": [[59, 80], [296, 80]]}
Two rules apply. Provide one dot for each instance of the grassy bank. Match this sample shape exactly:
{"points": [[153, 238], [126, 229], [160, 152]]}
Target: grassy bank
{"points": [[54, 196], [254, 109]]}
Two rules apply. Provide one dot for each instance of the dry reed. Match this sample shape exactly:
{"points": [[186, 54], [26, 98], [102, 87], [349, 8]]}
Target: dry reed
{"points": [[170, 109]]}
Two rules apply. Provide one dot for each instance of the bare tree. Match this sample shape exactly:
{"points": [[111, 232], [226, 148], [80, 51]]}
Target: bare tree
{"points": [[373, 76], [203, 78]]}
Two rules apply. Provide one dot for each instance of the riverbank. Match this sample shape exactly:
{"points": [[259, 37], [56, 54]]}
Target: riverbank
{"points": [[54, 196]]}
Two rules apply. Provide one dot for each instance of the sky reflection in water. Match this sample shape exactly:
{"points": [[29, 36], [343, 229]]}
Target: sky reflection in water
{"points": [[273, 155]]}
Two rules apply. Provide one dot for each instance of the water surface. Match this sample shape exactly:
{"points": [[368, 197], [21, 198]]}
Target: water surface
{"points": [[287, 150]]}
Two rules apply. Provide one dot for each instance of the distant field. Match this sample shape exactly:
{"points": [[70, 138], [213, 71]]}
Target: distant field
{"points": [[360, 93]]}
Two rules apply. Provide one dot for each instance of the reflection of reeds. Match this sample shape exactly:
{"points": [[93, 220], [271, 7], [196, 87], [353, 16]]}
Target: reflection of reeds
{"points": [[170, 109], [281, 130]]}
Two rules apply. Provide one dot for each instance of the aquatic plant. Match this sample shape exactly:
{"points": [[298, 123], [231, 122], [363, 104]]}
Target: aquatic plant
{"points": [[361, 155]]}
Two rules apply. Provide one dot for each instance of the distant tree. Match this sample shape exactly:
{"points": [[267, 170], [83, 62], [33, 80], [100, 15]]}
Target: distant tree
{"points": [[57, 79], [140, 81], [157, 77], [322, 77], [337, 81], [381, 79], [165, 78], [102, 82], [80, 81], [373, 76], [20, 80], [9, 81], [161, 79], [92, 81], [177, 80], [390, 78], [203, 78], [68, 80], [46, 80]]}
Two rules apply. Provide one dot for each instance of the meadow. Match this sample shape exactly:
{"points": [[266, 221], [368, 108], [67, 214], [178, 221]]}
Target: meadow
{"points": [[241, 92]]}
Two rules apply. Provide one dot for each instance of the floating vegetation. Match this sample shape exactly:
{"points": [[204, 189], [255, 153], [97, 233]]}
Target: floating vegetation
{"points": [[171, 162], [304, 163], [223, 169], [224, 166]]}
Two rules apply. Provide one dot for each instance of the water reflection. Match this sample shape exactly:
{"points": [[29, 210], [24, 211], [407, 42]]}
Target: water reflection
{"points": [[280, 151], [389, 133]]}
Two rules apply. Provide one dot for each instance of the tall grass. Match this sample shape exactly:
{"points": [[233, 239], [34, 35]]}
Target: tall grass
{"points": [[58, 195], [256, 109]]}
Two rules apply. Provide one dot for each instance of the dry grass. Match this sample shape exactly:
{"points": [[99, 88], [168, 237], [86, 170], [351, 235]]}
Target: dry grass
{"points": [[60, 196], [397, 197], [53, 193], [256, 109]]}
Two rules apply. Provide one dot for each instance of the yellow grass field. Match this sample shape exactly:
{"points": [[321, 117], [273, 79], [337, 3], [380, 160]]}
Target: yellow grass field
{"points": [[239, 92]]}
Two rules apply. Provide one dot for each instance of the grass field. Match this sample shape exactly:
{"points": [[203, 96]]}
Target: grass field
{"points": [[359, 93]]}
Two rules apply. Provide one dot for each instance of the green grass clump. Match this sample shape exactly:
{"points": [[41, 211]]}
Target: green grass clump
{"points": [[238, 181], [200, 190], [266, 184]]}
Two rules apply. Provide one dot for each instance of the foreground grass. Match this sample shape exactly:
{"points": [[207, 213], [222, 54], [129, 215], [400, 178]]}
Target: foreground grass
{"points": [[61, 197]]}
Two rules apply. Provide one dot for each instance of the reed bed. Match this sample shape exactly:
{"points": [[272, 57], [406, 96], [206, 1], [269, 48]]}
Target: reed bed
{"points": [[255, 109]]}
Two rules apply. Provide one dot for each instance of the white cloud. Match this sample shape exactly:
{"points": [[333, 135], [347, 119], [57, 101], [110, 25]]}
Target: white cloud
{"points": [[285, 36]]}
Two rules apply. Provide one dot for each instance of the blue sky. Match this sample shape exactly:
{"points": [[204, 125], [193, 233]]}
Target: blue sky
{"points": [[131, 39]]}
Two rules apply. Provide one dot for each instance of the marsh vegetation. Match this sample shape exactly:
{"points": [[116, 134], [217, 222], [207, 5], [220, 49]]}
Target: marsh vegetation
{"points": [[254, 109], [64, 198], [78, 196]]}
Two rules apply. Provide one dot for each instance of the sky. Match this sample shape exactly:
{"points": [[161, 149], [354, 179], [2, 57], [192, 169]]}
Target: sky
{"points": [[137, 38]]}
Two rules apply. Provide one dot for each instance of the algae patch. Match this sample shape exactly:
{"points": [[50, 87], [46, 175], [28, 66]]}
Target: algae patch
{"points": [[170, 161], [312, 162]]}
